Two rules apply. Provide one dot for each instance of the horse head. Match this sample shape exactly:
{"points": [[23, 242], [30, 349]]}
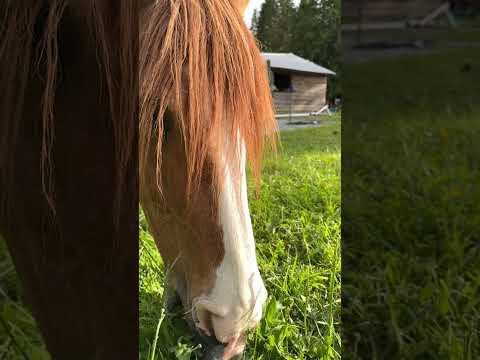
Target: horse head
{"points": [[206, 111]]}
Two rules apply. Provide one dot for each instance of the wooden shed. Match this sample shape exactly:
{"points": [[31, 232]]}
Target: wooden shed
{"points": [[298, 85], [392, 14]]}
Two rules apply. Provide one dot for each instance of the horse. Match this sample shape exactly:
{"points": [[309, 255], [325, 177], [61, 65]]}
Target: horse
{"points": [[94, 119], [69, 170], [205, 110]]}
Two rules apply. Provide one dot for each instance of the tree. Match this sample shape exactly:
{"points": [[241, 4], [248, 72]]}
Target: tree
{"points": [[283, 26], [254, 26], [266, 23], [330, 48], [306, 31]]}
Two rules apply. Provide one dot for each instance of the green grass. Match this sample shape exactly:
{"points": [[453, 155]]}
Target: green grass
{"points": [[296, 222], [411, 209]]}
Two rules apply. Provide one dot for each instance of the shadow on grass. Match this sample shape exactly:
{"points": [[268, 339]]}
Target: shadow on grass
{"points": [[410, 210]]}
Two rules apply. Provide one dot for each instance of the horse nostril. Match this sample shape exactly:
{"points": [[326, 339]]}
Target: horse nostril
{"points": [[226, 321], [203, 321]]}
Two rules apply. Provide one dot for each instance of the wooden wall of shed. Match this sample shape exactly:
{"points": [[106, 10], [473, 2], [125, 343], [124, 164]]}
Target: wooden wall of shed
{"points": [[310, 94], [386, 10]]}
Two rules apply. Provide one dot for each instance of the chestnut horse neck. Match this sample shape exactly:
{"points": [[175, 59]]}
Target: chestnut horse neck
{"points": [[30, 39], [198, 59]]}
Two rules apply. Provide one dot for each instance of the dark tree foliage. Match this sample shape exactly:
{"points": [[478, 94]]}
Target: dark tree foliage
{"points": [[266, 24], [310, 30], [254, 26]]}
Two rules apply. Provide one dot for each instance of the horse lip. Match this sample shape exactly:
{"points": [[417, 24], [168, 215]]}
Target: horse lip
{"points": [[234, 347]]}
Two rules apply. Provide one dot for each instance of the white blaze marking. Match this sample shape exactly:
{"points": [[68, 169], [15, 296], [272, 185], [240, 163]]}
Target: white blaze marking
{"points": [[238, 294]]}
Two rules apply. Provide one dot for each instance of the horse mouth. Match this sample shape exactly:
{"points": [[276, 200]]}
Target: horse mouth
{"points": [[234, 347]]}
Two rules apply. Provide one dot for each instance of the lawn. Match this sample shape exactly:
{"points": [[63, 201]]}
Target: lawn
{"points": [[411, 208], [296, 220]]}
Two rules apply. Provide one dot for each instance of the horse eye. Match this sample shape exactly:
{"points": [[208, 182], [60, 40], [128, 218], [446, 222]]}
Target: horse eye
{"points": [[167, 124]]}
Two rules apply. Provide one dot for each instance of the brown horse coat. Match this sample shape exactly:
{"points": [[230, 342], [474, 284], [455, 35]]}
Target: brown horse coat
{"points": [[68, 133]]}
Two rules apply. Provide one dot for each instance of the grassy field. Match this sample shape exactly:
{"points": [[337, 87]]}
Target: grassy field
{"points": [[19, 337], [410, 229], [411, 208], [296, 222]]}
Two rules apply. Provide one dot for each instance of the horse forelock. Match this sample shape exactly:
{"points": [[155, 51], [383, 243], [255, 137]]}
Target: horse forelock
{"points": [[199, 61]]}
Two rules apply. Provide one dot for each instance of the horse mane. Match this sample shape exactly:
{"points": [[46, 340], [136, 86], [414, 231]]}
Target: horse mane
{"points": [[199, 62], [16, 48], [29, 45]]}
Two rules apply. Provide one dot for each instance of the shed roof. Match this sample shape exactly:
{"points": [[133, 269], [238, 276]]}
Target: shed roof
{"points": [[295, 63]]}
